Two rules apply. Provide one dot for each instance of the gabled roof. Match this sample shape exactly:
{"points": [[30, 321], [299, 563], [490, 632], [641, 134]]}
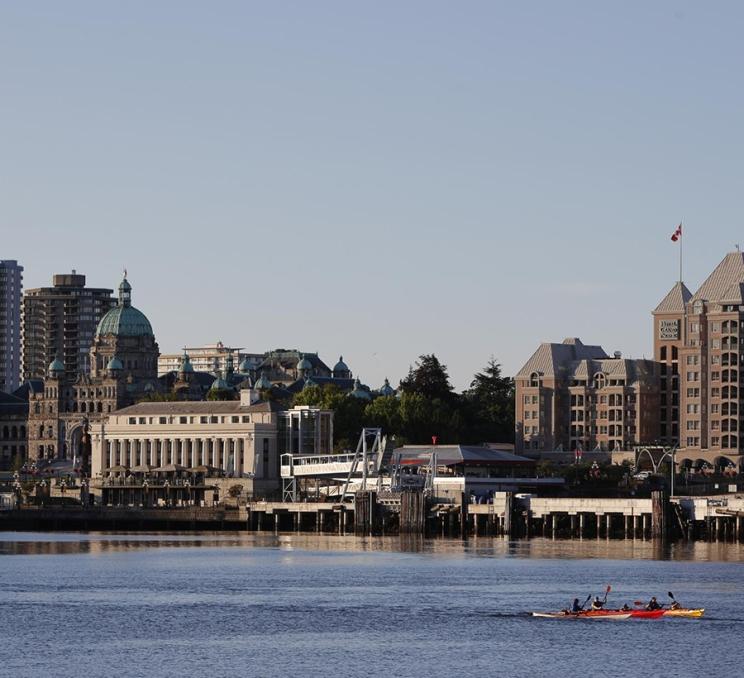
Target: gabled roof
{"points": [[729, 272], [675, 300], [550, 358]]}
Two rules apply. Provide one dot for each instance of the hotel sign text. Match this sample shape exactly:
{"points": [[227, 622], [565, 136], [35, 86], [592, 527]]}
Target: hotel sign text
{"points": [[668, 329]]}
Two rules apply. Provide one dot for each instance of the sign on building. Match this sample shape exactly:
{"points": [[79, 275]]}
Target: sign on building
{"points": [[668, 329]]}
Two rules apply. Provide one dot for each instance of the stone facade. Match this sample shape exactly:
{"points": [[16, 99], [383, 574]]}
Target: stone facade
{"points": [[239, 439], [573, 396], [123, 369], [699, 339]]}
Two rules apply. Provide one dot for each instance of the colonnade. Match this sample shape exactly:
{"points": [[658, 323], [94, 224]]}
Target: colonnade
{"points": [[227, 453]]}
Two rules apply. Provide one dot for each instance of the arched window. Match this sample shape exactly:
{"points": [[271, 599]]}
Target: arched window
{"points": [[82, 406], [41, 431], [100, 407], [23, 432], [675, 353], [6, 432], [14, 432], [534, 379]]}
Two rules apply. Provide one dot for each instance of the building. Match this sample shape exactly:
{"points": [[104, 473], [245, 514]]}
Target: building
{"points": [[11, 286], [210, 358], [574, 396], [699, 340], [59, 322], [13, 418], [122, 370], [241, 439]]}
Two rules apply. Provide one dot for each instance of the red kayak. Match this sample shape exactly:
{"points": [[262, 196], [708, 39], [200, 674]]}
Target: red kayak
{"points": [[647, 614]]}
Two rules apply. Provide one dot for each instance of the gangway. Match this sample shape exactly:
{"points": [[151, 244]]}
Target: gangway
{"points": [[354, 469]]}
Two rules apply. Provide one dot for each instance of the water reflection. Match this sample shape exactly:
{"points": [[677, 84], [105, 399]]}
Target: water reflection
{"points": [[100, 543]]}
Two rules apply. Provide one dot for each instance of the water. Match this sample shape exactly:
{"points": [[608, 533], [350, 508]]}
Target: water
{"points": [[252, 605]]}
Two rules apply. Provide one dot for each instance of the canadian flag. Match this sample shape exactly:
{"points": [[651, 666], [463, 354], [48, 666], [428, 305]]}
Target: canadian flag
{"points": [[677, 233]]}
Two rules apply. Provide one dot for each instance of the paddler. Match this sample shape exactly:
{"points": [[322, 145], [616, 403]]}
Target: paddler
{"points": [[576, 606], [653, 604], [597, 604]]}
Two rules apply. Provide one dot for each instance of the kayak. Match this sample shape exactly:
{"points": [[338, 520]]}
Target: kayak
{"points": [[647, 614], [685, 612], [614, 615]]}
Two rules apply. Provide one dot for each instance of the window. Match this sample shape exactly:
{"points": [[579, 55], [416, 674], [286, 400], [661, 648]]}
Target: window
{"points": [[214, 420], [162, 420], [693, 408], [203, 420], [183, 420], [693, 392], [692, 360], [132, 420], [246, 419], [693, 376], [714, 408], [235, 420]]}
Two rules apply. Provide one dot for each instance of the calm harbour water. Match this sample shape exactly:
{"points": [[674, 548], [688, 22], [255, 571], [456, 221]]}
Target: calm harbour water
{"points": [[258, 605]]}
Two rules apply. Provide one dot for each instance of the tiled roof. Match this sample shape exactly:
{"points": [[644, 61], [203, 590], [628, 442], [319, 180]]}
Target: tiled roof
{"points": [[197, 407], [729, 272], [675, 300], [734, 294], [558, 360], [549, 358]]}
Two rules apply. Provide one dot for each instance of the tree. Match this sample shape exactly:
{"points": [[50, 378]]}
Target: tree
{"points": [[490, 406], [384, 413], [429, 378]]}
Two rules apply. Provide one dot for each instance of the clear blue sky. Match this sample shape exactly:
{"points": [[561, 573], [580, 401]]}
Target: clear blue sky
{"points": [[377, 179]]}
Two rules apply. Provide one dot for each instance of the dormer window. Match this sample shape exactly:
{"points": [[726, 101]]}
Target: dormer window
{"points": [[697, 307], [534, 379]]}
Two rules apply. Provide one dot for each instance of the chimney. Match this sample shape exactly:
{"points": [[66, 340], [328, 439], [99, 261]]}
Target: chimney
{"points": [[248, 397], [618, 355]]}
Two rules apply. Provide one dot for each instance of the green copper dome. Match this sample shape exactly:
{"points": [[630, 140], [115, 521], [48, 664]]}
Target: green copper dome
{"points": [[56, 366], [114, 364], [125, 320]]}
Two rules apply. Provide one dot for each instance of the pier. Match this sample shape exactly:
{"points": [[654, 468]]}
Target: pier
{"points": [[717, 518]]}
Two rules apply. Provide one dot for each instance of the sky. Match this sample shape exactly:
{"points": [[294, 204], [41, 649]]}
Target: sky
{"points": [[378, 180]]}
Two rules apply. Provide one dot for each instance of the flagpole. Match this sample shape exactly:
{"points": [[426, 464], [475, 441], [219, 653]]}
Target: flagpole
{"points": [[680, 255]]}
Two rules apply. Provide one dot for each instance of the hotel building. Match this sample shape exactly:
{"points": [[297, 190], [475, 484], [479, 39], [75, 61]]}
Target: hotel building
{"points": [[572, 396], [699, 340]]}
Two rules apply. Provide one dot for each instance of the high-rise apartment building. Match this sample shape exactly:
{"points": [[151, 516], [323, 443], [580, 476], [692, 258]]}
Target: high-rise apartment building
{"points": [[60, 322], [699, 338], [573, 396], [11, 285]]}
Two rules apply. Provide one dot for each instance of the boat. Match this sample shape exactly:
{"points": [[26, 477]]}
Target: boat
{"points": [[647, 614], [695, 612], [613, 615]]}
